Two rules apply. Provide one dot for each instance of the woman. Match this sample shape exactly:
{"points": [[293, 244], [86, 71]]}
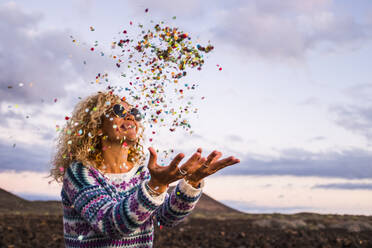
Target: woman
{"points": [[110, 198]]}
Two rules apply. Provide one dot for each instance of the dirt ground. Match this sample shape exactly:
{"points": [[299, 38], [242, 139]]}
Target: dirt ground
{"points": [[253, 231]]}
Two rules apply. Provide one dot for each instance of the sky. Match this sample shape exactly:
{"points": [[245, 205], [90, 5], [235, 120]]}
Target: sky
{"points": [[293, 100]]}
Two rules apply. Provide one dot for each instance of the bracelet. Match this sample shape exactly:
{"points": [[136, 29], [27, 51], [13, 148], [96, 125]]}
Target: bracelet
{"points": [[151, 191]]}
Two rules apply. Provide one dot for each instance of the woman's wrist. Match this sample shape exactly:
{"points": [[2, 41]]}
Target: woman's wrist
{"points": [[156, 187], [194, 184]]}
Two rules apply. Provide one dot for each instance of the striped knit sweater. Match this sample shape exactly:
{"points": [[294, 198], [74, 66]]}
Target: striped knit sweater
{"points": [[100, 213]]}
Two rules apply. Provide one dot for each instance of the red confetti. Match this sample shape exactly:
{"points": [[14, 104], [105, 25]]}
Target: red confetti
{"points": [[55, 99], [92, 49], [153, 132], [125, 31], [130, 23], [161, 227], [220, 69], [67, 118], [150, 139], [146, 10]]}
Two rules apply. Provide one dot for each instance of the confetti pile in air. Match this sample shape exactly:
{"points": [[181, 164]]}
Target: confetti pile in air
{"points": [[153, 64]]}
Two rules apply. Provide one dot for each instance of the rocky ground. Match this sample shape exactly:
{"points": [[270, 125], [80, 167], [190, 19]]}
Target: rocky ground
{"points": [[267, 230]]}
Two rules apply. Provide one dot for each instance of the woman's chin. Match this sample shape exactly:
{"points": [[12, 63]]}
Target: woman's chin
{"points": [[130, 137]]}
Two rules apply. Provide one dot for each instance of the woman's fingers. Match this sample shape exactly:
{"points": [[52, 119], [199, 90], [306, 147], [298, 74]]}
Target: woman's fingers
{"points": [[213, 156], [176, 161], [194, 158], [223, 163], [153, 158], [190, 166]]}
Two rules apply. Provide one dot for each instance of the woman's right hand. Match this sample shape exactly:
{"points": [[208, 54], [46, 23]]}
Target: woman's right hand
{"points": [[162, 176]]}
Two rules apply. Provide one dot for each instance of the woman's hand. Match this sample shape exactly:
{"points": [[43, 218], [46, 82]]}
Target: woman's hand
{"points": [[161, 176], [211, 166]]}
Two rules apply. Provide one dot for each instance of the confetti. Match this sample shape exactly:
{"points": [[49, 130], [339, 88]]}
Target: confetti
{"points": [[153, 62]]}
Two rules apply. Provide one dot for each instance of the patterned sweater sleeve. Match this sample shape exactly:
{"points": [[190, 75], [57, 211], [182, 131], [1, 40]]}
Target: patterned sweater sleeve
{"points": [[178, 204], [89, 196]]}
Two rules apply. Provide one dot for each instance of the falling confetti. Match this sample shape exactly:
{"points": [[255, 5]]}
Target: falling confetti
{"points": [[153, 62]]}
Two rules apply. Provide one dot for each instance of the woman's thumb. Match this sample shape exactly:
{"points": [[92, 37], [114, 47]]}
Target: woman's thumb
{"points": [[153, 157]]}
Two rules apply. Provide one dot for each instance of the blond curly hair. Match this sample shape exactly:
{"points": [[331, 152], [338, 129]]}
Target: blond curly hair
{"points": [[80, 140]]}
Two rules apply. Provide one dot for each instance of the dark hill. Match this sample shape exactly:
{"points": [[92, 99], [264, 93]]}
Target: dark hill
{"points": [[209, 207], [10, 203]]}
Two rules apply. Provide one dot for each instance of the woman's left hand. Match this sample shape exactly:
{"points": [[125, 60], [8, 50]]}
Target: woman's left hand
{"points": [[211, 166]]}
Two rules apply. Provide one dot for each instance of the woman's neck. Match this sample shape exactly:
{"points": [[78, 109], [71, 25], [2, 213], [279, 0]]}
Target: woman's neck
{"points": [[115, 158]]}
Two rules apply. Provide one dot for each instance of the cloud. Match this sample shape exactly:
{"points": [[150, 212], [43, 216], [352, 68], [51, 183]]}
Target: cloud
{"points": [[40, 64], [251, 207], [287, 29], [24, 158], [234, 138], [30, 185], [36, 67], [355, 117], [317, 138], [347, 186], [181, 9], [360, 93], [350, 164], [310, 101]]}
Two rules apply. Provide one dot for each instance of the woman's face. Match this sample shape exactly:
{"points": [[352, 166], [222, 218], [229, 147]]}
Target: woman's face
{"points": [[118, 128]]}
